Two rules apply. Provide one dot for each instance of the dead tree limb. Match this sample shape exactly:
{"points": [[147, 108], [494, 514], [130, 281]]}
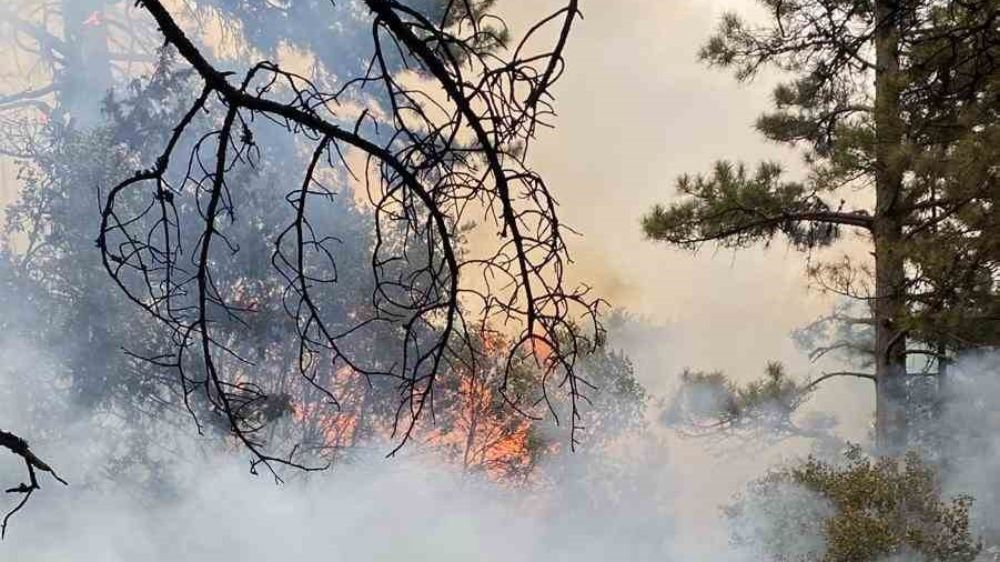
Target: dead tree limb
{"points": [[19, 447], [429, 164]]}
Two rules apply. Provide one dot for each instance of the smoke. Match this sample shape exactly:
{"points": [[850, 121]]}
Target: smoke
{"points": [[786, 517], [412, 508], [650, 496], [645, 496], [371, 511], [969, 433]]}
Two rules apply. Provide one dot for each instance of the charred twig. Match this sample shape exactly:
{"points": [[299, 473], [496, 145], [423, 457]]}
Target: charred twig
{"points": [[19, 447]]}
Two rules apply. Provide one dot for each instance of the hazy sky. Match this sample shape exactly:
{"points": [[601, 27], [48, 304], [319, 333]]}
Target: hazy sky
{"points": [[636, 110]]}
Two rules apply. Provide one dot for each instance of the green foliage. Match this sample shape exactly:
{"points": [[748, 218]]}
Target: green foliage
{"points": [[92, 334], [738, 208], [712, 400], [949, 107], [489, 36], [881, 508], [898, 122]]}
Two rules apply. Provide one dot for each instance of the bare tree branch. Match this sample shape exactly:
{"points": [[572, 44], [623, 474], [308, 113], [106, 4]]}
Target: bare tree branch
{"points": [[439, 161], [827, 376], [19, 447]]}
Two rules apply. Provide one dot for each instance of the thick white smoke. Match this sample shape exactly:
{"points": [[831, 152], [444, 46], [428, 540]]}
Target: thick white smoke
{"points": [[970, 435], [646, 497], [371, 509], [649, 496]]}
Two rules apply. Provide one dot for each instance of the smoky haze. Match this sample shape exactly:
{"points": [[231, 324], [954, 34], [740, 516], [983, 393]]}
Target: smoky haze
{"points": [[649, 497], [635, 110]]}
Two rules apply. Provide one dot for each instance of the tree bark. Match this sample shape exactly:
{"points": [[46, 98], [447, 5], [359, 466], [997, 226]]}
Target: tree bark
{"points": [[889, 304]]}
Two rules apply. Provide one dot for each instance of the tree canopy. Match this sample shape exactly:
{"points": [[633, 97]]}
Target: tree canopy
{"points": [[893, 104]]}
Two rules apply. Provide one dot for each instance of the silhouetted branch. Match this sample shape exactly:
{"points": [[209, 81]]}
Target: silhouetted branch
{"points": [[19, 447], [827, 376], [429, 166]]}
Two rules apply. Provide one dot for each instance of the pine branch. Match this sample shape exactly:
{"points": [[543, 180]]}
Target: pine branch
{"points": [[828, 376]]}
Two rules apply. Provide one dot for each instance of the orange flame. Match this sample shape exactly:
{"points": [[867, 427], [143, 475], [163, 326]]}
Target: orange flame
{"points": [[339, 429], [479, 432], [541, 349]]}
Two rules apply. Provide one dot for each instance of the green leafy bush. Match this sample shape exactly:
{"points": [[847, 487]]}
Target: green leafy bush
{"points": [[858, 510]]}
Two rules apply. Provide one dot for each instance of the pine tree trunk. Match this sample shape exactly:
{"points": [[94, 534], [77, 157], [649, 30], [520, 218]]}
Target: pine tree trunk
{"points": [[890, 341], [87, 70]]}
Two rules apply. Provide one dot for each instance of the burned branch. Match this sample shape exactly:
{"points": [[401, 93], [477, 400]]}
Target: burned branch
{"points": [[440, 139], [19, 447]]}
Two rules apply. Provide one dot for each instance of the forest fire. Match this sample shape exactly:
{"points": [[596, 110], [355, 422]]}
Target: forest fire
{"points": [[482, 435], [339, 428], [471, 427], [341, 279], [541, 349]]}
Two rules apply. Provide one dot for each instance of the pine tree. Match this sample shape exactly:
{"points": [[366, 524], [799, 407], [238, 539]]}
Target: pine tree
{"points": [[895, 104]]}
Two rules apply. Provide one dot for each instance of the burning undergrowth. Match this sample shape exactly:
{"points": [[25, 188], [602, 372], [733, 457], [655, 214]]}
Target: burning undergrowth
{"points": [[488, 415], [479, 481]]}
